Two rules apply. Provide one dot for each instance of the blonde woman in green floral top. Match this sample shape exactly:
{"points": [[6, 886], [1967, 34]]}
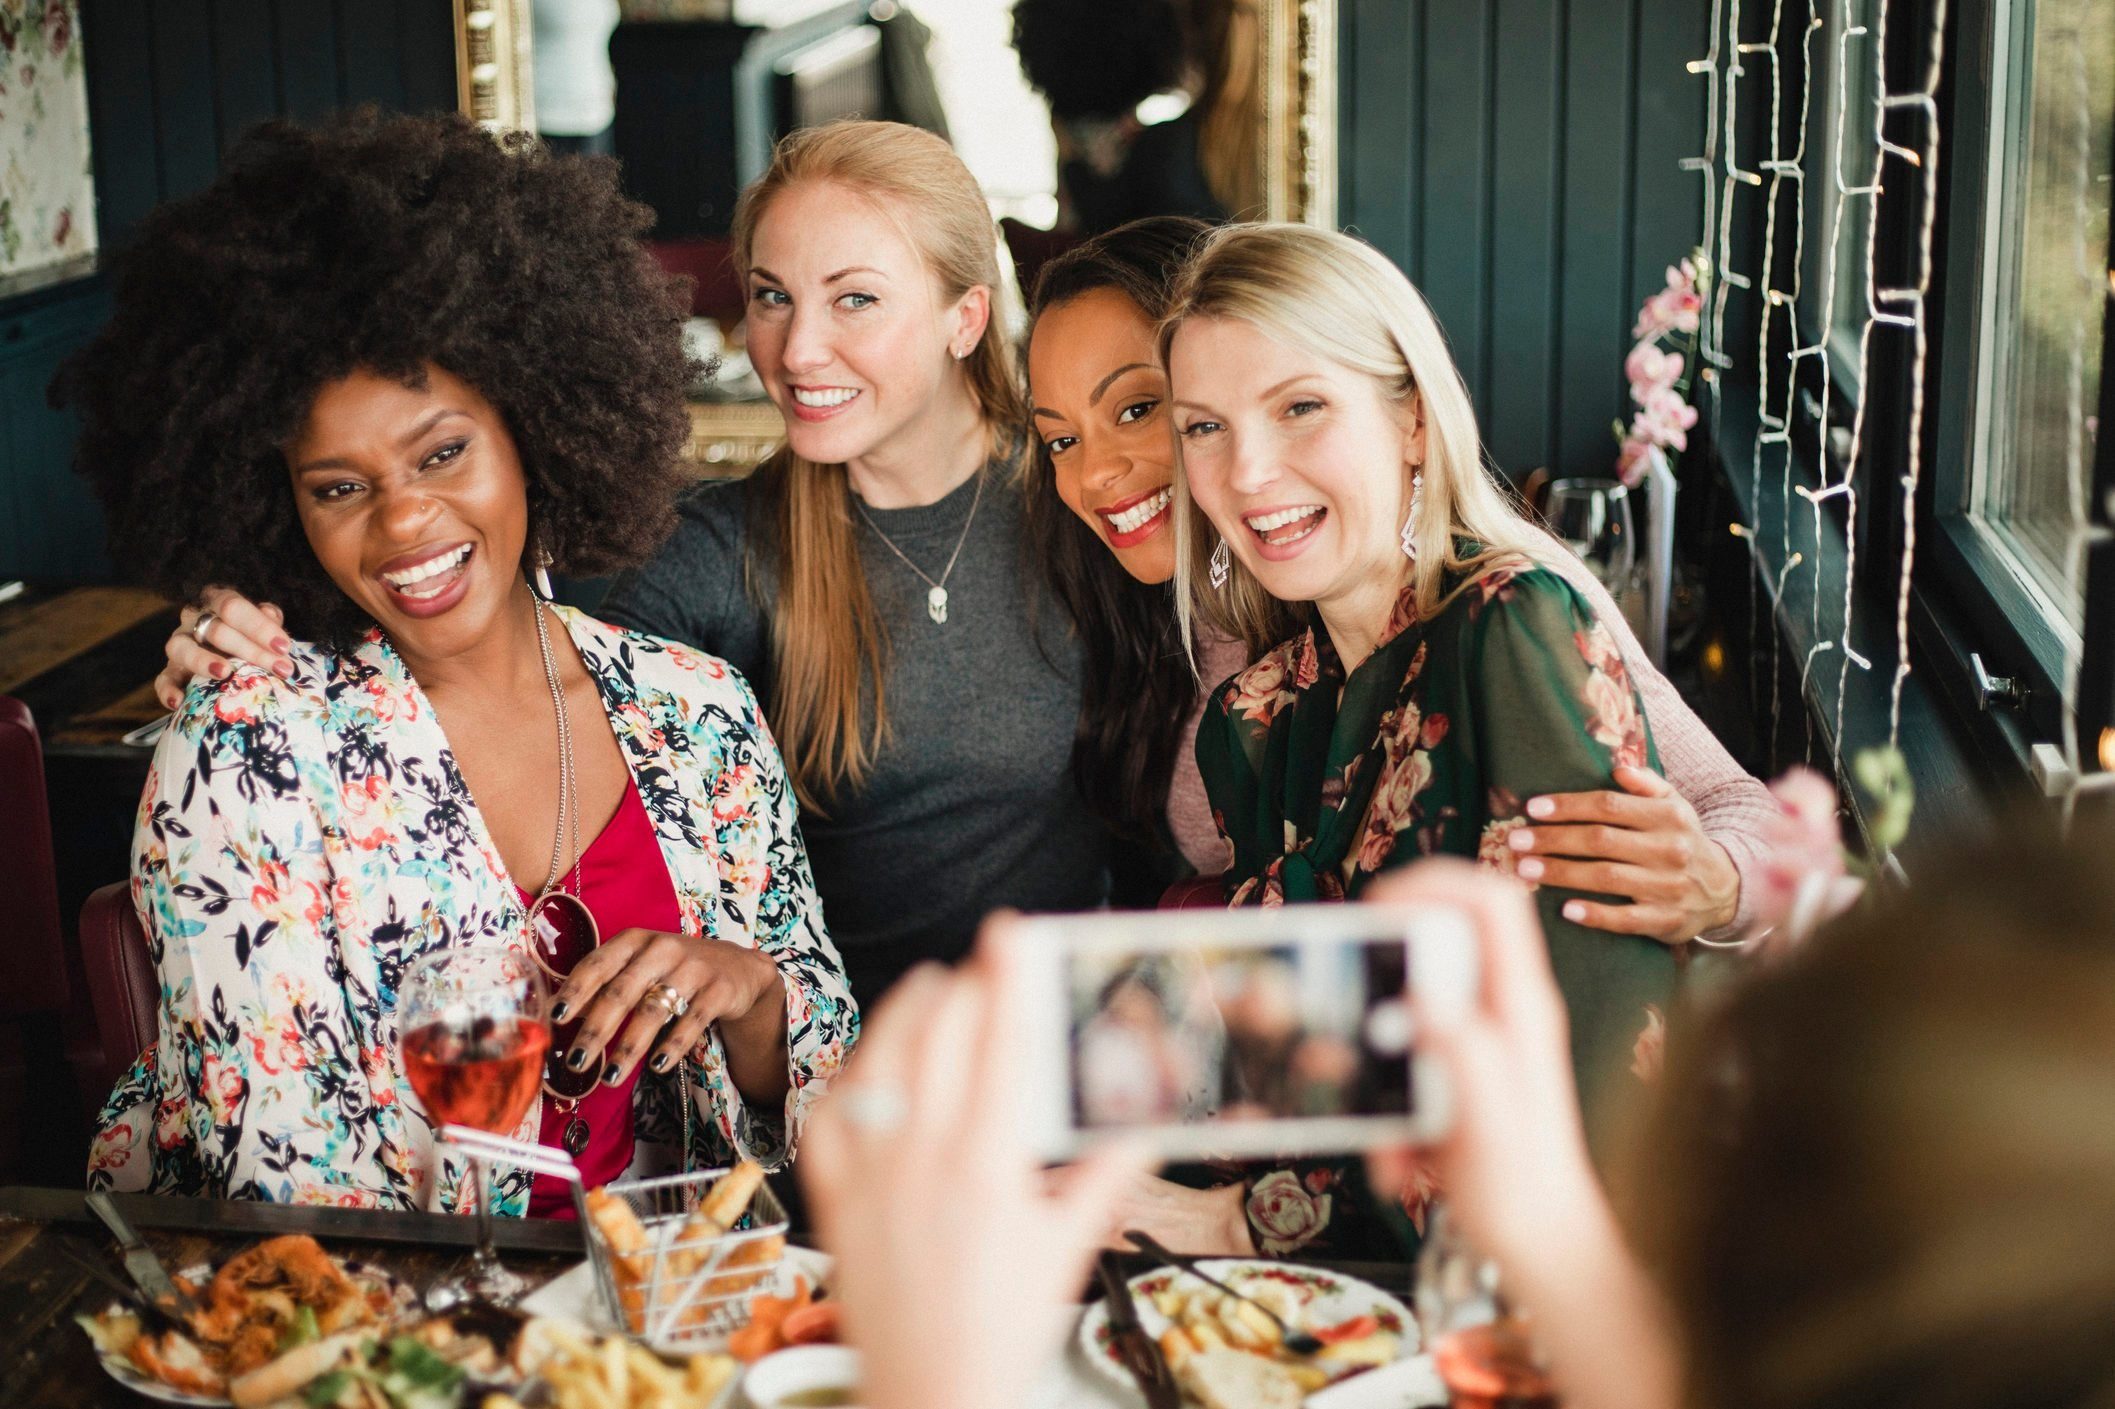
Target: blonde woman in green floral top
{"points": [[1329, 456]]}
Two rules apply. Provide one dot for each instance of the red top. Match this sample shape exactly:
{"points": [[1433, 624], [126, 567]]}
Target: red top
{"points": [[624, 884]]}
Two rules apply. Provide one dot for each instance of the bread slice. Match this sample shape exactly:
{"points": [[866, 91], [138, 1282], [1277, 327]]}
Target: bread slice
{"points": [[1236, 1379]]}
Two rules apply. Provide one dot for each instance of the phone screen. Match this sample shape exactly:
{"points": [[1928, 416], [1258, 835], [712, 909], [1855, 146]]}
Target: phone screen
{"points": [[1236, 1034]]}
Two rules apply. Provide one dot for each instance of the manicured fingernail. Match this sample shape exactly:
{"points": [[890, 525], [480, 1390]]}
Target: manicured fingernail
{"points": [[1530, 869], [284, 669], [280, 643], [218, 670], [664, 1061], [577, 1059], [1521, 839], [559, 1010], [1541, 807], [1575, 910], [609, 1073]]}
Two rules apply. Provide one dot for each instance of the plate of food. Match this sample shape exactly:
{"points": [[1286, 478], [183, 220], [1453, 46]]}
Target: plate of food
{"points": [[282, 1294], [1224, 1351], [286, 1324]]}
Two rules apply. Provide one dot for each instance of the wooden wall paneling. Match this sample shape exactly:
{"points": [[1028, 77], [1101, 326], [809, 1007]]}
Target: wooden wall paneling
{"points": [[426, 56], [182, 39], [1528, 139], [310, 83], [1455, 234], [1667, 203], [52, 526], [1592, 314], [367, 53], [245, 66], [116, 40], [1382, 185]]}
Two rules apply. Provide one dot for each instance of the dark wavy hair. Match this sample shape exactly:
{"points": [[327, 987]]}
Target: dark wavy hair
{"points": [[1139, 686], [392, 244], [1101, 58]]}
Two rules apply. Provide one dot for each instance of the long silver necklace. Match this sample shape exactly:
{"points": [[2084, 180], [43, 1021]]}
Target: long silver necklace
{"points": [[574, 1136], [935, 599]]}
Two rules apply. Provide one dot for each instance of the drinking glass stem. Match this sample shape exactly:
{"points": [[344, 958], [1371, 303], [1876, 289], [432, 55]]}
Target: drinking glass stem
{"points": [[484, 1260]]}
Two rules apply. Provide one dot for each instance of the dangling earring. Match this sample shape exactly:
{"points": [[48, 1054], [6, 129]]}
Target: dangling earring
{"points": [[542, 575], [1417, 503], [1222, 565]]}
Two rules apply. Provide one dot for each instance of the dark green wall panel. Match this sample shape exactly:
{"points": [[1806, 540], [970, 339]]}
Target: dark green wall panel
{"points": [[1521, 160], [170, 86]]}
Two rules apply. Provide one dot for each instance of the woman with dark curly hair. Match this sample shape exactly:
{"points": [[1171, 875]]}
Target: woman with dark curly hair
{"points": [[380, 374]]}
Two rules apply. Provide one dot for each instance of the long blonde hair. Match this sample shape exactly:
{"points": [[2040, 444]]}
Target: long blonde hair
{"points": [[829, 647], [1341, 299]]}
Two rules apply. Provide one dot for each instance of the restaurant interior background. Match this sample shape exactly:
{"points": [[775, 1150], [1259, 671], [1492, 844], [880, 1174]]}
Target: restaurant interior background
{"points": [[1892, 525]]}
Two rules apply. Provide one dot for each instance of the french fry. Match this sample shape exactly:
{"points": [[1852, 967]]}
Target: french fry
{"points": [[725, 1202], [1261, 1330], [1176, 1346], [622, 1230], [1207, 1335]]}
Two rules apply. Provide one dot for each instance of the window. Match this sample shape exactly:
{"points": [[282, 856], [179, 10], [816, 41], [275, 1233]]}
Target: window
{"points": [[2046, 261], [1841, 165]]}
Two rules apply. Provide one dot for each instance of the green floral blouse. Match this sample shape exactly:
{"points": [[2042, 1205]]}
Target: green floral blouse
{"points": [[1434, 745]]}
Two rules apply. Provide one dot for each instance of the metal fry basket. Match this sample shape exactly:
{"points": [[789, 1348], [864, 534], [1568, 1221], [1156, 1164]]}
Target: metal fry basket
{"points": [[689, 1284]]}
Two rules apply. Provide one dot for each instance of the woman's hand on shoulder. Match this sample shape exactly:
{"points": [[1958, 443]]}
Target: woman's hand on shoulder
{"points": [[1644, 843], [240, 630]]}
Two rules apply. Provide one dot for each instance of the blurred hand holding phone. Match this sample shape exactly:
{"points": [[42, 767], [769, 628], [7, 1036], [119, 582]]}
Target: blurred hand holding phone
{"points": [[1289, 1031]]}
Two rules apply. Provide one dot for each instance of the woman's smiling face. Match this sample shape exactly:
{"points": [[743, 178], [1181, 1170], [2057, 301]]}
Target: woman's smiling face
{"points": [[414, 502], [1100, 402], [1298, 461], [848, 330]]}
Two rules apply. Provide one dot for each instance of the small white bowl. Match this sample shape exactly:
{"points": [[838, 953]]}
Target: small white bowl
{"points": [[801, 1369]]}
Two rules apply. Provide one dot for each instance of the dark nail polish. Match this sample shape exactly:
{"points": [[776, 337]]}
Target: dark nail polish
{"points": [[558, 1013], [577, 1059], [664, 1062], [609, 1074]]}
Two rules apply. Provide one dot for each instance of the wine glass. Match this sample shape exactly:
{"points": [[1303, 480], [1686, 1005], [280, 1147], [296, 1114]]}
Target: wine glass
{"points": [[475, 1026], [1483, 1349], [1592, 518]]}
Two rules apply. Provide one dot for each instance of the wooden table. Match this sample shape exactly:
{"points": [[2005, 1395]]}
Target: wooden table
{"points": [[46, 1361]]}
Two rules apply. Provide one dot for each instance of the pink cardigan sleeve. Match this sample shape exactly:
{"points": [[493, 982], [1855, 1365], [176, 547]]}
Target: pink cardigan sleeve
{"points": [[1733, 807]]}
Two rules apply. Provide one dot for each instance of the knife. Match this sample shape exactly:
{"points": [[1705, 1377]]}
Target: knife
{"points": [[1133, 1346], [144, 1267]]}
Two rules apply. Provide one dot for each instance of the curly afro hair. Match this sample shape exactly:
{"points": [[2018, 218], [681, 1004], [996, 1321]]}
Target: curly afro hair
{"points": [[1101, 58], [387, 243]]}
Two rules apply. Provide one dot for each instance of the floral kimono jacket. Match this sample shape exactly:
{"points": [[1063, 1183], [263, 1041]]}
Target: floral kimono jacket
{"points": [[301, 843], [1434, 744]]}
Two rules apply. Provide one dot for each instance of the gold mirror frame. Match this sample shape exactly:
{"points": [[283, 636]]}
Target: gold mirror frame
{"points": [[1297, 60], [493, 84]]}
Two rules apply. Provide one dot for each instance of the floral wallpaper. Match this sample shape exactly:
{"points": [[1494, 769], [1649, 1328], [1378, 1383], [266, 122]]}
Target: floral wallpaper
{"points": [[47, 189]]}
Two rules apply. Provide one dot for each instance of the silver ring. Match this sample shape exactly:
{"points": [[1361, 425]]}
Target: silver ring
{"points": [[665, 996], [202, 624], [874, 1107]]}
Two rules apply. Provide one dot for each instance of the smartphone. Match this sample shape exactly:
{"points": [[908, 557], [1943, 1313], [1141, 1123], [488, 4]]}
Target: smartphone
{"points": [[1288, 1031]]}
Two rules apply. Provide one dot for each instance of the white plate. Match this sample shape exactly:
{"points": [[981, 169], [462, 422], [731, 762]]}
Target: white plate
{"points": [[141, 1383], [1326, 1299]]}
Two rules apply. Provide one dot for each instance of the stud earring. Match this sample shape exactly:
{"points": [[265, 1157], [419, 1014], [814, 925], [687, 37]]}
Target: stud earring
{"points": [[1222, 565], [1410, 524]]}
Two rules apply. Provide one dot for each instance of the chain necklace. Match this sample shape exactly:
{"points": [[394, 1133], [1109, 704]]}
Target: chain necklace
{"points": [[936, 599], [574, 1137]]}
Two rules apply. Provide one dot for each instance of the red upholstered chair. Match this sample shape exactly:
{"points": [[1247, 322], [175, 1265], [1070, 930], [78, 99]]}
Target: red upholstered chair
{"points": [[122, 983], [1196, 893], [33, 988]]}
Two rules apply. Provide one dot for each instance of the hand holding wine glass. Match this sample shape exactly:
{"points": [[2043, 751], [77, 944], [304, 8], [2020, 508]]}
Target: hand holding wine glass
{"points": [[475, 1027]]}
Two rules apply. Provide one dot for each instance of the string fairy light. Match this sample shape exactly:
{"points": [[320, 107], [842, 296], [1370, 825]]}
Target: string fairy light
{"points": [[1782, 176]]}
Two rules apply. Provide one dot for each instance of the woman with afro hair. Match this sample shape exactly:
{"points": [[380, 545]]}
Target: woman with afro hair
{"points": [[382, 373]]}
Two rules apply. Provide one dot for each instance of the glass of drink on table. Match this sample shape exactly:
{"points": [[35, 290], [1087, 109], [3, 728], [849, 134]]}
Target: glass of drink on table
{"points": [[475, 1025], [1592, 517], [1483, 1349]]}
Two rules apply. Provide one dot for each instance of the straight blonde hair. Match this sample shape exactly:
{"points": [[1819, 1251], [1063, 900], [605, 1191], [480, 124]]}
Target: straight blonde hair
{"points": [[829, 647], [1341, 299]]}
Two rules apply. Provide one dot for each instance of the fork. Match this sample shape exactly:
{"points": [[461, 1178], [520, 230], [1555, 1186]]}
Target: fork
{"points": [[1297, 1341]]}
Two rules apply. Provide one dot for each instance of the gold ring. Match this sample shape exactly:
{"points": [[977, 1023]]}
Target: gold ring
{"points": [[664, 995]]}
